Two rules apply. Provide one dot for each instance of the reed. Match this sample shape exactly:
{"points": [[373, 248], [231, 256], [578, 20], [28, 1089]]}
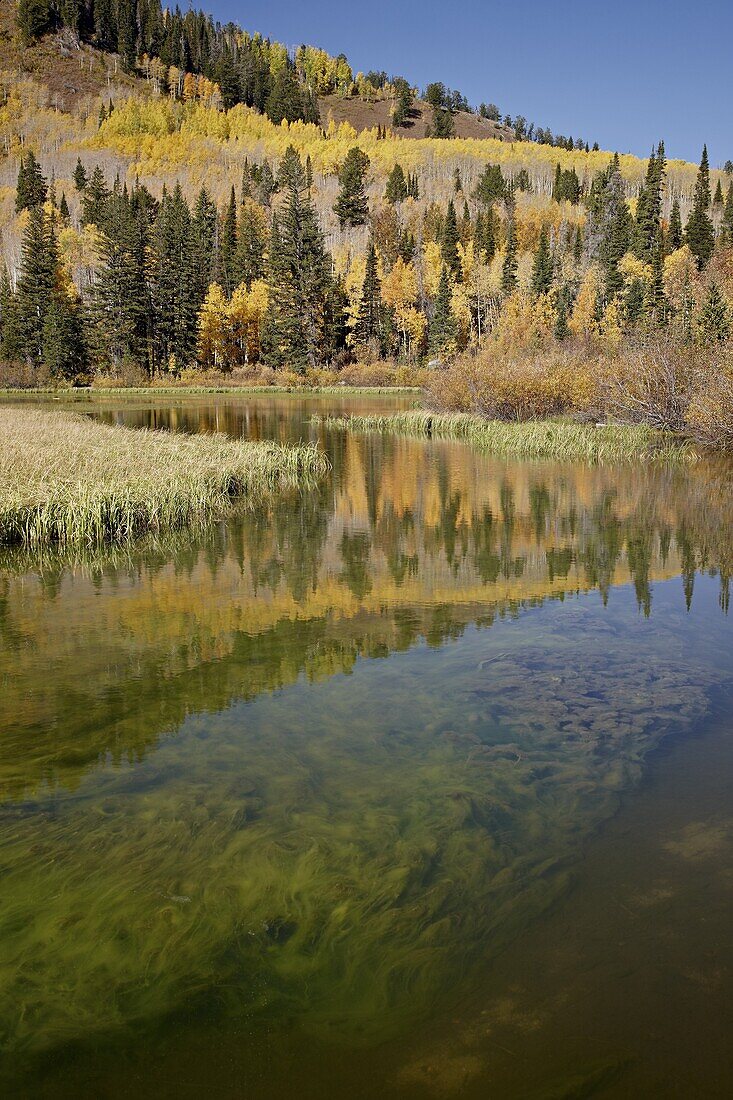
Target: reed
{"points": [[67, 479], [558, 439]]}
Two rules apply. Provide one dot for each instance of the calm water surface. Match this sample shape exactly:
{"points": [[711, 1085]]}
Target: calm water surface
{"points": [[416, 785]]}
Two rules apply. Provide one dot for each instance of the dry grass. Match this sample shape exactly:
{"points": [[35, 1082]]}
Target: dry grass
{"points": [[558, 439], [67, 479]]}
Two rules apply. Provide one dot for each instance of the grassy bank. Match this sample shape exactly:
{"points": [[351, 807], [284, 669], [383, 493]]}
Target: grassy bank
{"points": [[559, 439], [67, 479]]}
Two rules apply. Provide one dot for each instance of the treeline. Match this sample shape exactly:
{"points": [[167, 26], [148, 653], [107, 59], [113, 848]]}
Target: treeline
{"points": [[175, 285]]}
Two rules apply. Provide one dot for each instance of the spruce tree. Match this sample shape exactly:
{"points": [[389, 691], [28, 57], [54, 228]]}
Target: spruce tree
{"points": [[37, 282], [449, 243], [352, 205], [121, 305], [699, 232], [80, 175], [34, 18], [396, 189], [715, 318], [718, 197], [228, 246], [649, 208], [442, 329], [674, 237], [368, 326], [249, 257], [542, 271], [173, 283], [32, 189], [609, 224], [297, 275], [94, 200], [509, 267]]}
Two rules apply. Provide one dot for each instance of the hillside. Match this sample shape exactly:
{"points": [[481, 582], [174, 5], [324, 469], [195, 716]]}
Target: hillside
{"points": [[458, 238]]}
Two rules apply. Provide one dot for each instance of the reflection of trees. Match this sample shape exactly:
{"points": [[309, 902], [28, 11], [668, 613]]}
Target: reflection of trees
{"points": [[406, 541]]}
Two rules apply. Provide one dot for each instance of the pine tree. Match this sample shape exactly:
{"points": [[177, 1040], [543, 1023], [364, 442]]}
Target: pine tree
{"points": [[396, 189], [369, 318], [457, 182], [443, 327], [285, 102], [11, 344], [205, 234], [718, 197], [609, 224], [491, 186], [297, 275], [674, 238], [542, 271], [699, 232], [64, 208], [32, 189], [449, 243], [36, 282], [352, 205]]}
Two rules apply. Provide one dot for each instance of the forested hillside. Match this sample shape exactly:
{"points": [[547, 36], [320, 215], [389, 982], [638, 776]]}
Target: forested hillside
{"points": [[177, 194]]}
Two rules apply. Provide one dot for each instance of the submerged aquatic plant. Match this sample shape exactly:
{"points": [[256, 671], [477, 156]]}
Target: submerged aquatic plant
{"points": [[68, 479], [560, 439]]}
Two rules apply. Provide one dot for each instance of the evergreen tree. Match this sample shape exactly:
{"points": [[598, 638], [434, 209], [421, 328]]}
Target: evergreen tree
{"points": [[509, 267], [674, 238], [718, 197], [11, 344], [352, 205], [173, 283], [37, 282], [249, 259], [564, 305], [449, 243], [699, 232], [649, 207], [228, 246], [94, 200], [542, 271], [285, 101], [443, 327], [715, 318], [32, 189], [413, 188], [298, 277], [457, 182], [369, 326], [491, 186], [80, 176], [609, 224], [64, 208], [396, 190], [205, 240], [121, 303], [34, 18]]}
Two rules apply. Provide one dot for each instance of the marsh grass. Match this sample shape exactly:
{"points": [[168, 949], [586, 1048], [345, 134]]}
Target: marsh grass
{"points": [[558, 439], [66, 479]]}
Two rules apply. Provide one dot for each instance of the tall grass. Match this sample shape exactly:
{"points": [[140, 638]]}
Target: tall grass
{"points": [[66, 479], [559, 439]]}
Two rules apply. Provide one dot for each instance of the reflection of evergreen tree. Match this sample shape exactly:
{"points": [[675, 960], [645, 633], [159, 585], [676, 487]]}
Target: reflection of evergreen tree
{"points": [[355, 553]]}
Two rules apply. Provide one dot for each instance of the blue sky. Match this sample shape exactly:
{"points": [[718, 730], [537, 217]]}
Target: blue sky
{"points": [[623, 74]]}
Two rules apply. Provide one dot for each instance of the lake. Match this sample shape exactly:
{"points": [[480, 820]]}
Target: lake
{"points": [[413, 785]]}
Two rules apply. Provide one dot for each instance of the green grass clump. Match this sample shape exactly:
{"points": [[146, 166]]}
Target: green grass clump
{"points": [[67, 479], [558, 439]]}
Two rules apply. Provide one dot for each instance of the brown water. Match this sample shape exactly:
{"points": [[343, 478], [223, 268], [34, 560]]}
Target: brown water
{"points": [[416, 785]]}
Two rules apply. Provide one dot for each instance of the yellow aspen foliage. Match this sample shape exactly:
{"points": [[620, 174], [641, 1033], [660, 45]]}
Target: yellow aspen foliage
{"points": [[525, 266], [461, 306], [432, 267], [189, 87], [467, 256], [681, 278], [246, 312], [611, 329], [215, 333], [399, 292], [583, 321], [632, 268], [525, 321]]}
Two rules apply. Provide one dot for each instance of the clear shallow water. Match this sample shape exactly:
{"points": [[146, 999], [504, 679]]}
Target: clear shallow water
{"points": [[393, 788]]}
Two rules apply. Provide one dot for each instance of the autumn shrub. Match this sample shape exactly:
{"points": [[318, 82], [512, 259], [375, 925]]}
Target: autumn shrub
{"points": [[519, 386], [710, 413], [23, 376]]}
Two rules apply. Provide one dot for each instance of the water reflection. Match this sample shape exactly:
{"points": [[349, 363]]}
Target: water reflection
{"points": [[214, 806]]}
